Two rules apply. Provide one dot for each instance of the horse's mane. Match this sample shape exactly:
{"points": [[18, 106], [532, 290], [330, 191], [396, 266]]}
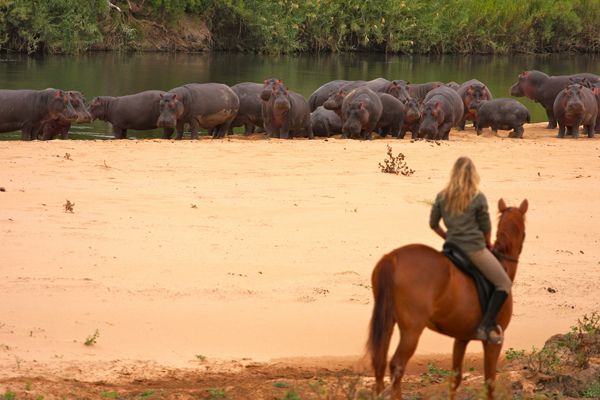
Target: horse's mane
{"points": [[509, 232]]}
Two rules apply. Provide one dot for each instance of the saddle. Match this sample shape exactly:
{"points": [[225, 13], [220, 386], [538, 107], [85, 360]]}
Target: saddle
{"points": [[460, 259]]}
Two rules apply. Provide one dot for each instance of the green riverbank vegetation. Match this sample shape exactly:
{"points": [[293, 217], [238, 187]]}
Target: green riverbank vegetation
{"points": [[284, 26]]}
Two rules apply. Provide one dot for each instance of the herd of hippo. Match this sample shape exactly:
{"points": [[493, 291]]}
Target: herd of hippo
{"points": [[351, 108]]}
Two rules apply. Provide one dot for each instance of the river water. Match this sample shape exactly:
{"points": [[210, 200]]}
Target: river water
{"points": [[119, 74]]}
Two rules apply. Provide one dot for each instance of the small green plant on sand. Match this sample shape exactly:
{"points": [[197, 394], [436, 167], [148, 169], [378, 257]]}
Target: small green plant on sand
{"points": [[291, 395], [92, 338], [112, 395], [589, 324], [512, 354], [218, 394], [9, 395], [434, 373], [593, 392], [545, 360]]}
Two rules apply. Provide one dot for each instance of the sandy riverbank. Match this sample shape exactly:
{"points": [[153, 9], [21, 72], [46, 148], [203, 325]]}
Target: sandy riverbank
{"points": [[262, 250]]}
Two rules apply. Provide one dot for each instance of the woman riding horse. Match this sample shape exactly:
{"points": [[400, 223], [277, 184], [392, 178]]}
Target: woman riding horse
{"points": [[464, 209], [416, 287]]}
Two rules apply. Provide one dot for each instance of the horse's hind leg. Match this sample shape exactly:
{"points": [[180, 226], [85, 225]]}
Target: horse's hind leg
{"points": [[409, 338], [458, 356]]}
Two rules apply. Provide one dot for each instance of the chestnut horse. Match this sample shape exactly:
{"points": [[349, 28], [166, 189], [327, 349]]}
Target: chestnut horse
{"points": [[416, 286]]}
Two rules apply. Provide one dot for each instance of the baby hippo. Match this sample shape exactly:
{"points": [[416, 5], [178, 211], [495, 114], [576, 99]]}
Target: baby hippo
{"points": [[504, 114]]}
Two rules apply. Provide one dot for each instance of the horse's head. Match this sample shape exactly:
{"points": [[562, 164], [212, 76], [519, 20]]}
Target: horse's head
{"points": [[511, 233]]}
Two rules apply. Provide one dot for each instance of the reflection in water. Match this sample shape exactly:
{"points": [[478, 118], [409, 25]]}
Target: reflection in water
{"points": [[119, 74]]}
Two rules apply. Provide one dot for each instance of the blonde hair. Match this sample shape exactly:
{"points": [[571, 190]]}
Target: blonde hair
{"points": [[462, 187]]}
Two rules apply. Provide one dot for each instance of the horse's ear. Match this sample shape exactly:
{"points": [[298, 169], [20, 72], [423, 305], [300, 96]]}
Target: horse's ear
{"points": [[523, 207], [501, 205]]}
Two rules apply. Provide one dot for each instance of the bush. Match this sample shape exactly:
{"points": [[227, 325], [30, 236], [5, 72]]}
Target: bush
{"points": [[283, 26], [68, 26]]}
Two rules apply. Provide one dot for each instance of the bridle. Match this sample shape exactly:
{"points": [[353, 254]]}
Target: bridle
{"points": [[501, 256]]}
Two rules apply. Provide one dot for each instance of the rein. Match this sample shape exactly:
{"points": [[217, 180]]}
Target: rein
{"points": [[501, 256]]}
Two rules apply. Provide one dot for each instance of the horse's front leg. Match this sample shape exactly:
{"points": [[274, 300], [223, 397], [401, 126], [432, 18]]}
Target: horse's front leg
{"points": [[458, 356], [491, 352]]}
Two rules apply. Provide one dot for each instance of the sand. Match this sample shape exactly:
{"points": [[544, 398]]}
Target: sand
{"points": [[250, 250]]}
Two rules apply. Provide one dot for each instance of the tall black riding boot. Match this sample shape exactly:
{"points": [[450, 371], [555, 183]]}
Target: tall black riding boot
{"points": [[486, 329]]}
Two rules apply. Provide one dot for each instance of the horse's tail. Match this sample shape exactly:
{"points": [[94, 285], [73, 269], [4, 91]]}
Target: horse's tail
{"points": [[383, 318]]}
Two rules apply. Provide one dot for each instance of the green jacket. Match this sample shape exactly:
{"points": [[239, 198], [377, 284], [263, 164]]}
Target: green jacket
{"points": [[467, 229]]}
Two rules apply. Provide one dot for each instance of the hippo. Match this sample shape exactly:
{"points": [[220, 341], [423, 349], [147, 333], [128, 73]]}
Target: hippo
{"points": [[361, 110], [138, 111], [325, 122], [286, 111], [575, 105], [443, 108], [580, 80], [543, 89], [420, 90], [504, 114], [265, 95], [596, 91], [472, 92], [336, 98], [268, 86], [398, 89], [392, 115], [452, 85], [321, 95], [250, 113], [28, 110], [50, 129], [379, 85], [412, 117], [201, 105]]}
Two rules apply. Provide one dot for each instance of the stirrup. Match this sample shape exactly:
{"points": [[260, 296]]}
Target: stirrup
{"points": [[481, 334]]}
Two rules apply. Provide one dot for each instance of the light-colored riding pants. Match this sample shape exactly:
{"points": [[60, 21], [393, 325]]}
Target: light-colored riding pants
{"points": [[491, 268]]}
